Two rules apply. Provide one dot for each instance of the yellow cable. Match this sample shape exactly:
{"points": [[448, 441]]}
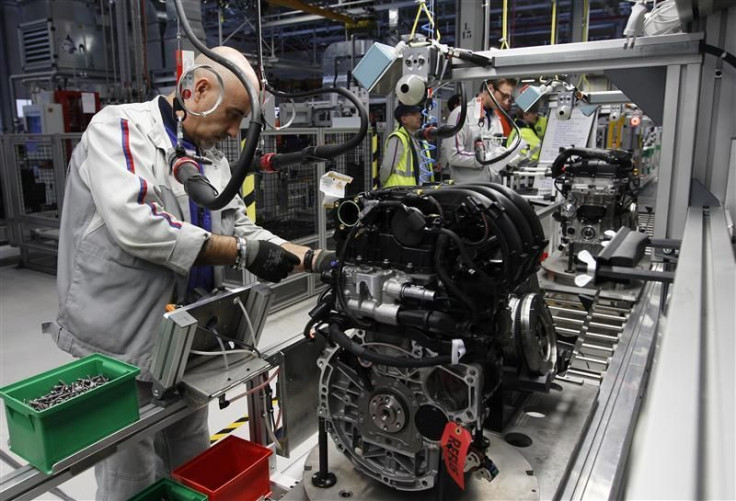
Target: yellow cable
{"points": [[423, 8], [504, 26], [553, 34], [416, 21]]}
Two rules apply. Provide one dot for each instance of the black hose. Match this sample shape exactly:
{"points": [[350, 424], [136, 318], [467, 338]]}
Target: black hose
{"points": [[315, 153], [245, 161], [343, 341], [308, 328], [196, 185], [429, 321], [439, 257], [718, 52], [612, 156], [431, 133], [470, 56], [467, 259]]}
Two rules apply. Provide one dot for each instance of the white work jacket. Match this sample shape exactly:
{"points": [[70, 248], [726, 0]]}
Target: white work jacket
{"points": [[458, 151], [126, 244]]}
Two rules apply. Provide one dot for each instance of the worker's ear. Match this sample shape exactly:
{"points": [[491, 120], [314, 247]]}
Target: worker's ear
{"points": [[201, 86]]}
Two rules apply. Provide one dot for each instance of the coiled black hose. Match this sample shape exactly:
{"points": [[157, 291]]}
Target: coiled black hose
{"points": [[205, 197], [324, 151]]}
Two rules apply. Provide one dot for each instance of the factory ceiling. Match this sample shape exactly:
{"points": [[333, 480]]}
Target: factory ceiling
{"points": [[296, 32]]}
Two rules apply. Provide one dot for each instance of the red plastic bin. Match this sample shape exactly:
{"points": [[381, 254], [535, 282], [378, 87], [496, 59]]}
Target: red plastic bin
{"points": [[233, 469]]}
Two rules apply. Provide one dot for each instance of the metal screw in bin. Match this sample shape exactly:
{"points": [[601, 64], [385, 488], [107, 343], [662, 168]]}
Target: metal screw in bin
{"points": [[62, 392]]}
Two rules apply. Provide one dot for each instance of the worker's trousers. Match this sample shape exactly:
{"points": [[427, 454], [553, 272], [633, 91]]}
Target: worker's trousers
{"points": [[139, 465]]}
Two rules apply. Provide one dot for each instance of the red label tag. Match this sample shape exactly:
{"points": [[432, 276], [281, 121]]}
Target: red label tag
{"points": [[455, 444], [179, 65]]}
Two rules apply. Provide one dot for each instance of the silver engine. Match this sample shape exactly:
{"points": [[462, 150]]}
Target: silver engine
{"points": [[599, 187], [424, 330]]}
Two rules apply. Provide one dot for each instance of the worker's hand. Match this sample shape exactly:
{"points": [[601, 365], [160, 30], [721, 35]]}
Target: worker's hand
{"points": [[269, 261], [323, 261]]}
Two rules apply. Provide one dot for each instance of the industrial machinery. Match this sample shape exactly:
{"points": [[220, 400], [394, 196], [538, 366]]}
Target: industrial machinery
{"points": [[599, 189], [435, 287]]}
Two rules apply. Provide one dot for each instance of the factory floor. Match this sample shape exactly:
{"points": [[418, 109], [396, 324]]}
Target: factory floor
{"points": [[28, 298]]}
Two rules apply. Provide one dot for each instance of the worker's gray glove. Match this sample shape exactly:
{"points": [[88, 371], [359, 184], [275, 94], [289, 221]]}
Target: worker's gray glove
{"points": [[268, 261], [324, 261]]}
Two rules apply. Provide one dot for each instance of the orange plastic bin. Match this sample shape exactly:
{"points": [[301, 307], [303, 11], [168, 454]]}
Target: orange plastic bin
{"points": [[233, 469]]}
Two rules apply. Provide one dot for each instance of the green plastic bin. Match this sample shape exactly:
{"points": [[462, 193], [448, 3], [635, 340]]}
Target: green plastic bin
{"points": [[168, 490], [45, 437]]}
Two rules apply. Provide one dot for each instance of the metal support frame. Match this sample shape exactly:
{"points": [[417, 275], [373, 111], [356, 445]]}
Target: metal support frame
{"points": [[678, 146], [717, 99], [588, 57], [9, 196], [687, 425]]}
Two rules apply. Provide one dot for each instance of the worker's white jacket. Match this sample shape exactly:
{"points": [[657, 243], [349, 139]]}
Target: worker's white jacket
{"points": [[458, 151], [126, 244]]}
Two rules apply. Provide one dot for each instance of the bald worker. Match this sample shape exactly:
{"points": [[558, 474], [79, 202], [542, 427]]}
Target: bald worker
{"points": [[132, 242]]}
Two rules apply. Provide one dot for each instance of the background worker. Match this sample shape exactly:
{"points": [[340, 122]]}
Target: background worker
{"points": [[481, 122], [401, 158], [453, 102], [132, 241], [532, 126]]}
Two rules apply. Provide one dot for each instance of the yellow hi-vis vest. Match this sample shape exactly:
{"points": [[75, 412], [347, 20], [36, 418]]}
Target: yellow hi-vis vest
{"points": [[528, 134], [403, 172], [249, 192]]}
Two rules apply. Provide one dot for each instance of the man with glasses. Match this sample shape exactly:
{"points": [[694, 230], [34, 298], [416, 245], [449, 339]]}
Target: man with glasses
{"points": [[482, 122], [505, 100]]}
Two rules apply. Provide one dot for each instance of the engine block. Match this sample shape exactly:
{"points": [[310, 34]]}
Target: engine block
{"points": [[430, 307], [599, 187]]}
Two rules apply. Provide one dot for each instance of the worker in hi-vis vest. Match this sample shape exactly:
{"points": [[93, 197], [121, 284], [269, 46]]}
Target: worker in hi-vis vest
{"points": [[532, 126], [401, 158]]}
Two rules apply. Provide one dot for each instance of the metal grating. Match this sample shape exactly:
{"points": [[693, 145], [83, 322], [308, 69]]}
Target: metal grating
{"points": [[230, 148], [35, 164], [35, 43], [593, 334], [68, 144], [286, 200]]}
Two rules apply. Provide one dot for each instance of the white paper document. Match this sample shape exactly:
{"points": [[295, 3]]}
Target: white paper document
{"points": [[332, 185], [565, 134]]}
